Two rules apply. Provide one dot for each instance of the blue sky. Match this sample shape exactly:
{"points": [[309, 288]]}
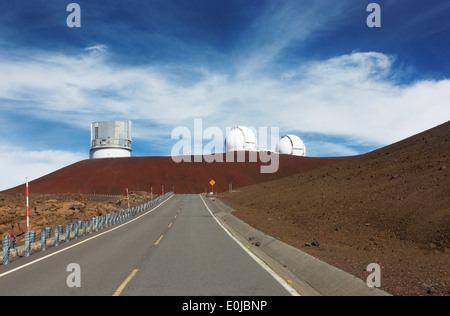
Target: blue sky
{"points": [[312, 68]]}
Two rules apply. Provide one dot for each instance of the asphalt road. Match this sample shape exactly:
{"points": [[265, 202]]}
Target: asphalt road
{"points": [[177, 248]]}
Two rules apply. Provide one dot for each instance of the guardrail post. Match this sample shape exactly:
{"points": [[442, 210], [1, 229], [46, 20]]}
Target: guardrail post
{"points": [[48, 232], [43, 239], [12, 241], [67, 230], [29, 235], [75, 230], [90, 225], [56, 236], [27, 243], [80, 228], [6, 241], [83, 228]]}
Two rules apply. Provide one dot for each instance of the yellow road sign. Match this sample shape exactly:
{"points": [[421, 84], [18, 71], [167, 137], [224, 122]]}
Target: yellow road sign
{"points": [[212, 182]]}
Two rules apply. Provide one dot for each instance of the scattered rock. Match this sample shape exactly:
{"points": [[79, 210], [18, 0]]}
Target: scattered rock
{"points": [[307, 244], [431, 291], [315, 243]]}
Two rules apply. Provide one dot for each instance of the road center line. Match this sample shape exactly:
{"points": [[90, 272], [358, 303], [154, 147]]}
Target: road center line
{"points": [[125, 282], [159, 239]]}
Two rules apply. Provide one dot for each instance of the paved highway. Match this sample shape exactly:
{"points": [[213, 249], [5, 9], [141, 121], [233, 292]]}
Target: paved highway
{"points": [[177, 248]]}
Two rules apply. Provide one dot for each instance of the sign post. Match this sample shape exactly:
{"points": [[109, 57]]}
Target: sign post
{"points": [[128, 199], [28, 209], [212, 182]]}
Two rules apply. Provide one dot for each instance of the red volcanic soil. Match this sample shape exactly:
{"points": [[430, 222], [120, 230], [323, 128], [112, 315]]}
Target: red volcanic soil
{"points": [[390, 206], [115, 175]]}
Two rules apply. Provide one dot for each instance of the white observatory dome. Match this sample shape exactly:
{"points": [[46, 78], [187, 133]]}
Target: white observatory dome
{"points": [[240, 138], [291, 145]]}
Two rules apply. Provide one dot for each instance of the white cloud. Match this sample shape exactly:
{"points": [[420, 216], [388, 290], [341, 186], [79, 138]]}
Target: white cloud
{"points": [[18, 163], [350, 95], [322, 148], [353, 96]]}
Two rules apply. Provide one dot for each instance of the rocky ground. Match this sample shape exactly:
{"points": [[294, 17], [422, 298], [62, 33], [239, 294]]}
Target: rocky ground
{"points": [[390, 206], [54, 209]]}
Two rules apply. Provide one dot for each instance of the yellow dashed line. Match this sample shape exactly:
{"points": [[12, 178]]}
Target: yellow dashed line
{"points": [[170, 225], [124, 283], [159, 239]]}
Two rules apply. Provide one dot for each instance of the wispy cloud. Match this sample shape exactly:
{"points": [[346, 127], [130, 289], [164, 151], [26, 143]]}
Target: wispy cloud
{"points": [[167, 71], [354, 95]]}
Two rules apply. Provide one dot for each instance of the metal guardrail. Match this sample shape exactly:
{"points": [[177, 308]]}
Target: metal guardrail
{"points": [[105, 195], [32, 241]]}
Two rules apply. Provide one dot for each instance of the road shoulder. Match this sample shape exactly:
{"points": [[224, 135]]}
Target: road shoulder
{"points": [[306, 274]]}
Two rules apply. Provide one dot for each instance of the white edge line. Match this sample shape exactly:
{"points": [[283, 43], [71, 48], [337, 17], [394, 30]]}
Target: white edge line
{"points": [[82, 242], [280, 280]]}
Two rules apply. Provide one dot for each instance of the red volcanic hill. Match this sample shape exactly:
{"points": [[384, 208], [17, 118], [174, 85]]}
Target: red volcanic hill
{"points": [[390, 206], [115, 175]]}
